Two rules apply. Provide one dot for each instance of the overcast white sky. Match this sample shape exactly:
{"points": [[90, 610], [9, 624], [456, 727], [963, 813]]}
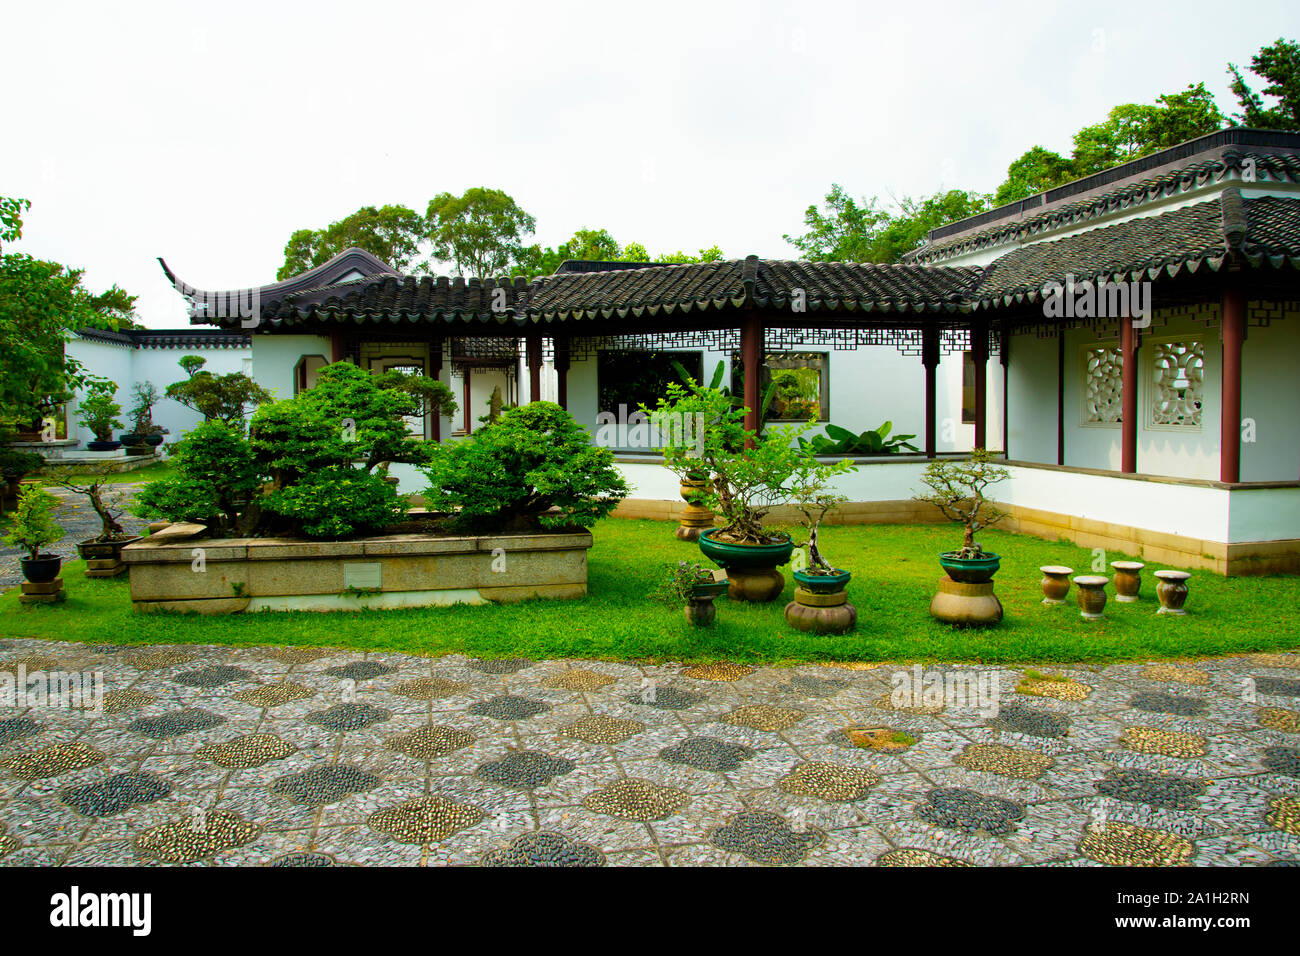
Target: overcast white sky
{"points": [[207, 133]]}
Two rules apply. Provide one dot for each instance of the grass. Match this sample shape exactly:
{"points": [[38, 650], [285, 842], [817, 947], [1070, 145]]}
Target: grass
{"points": [[895, 570], [158, 469]]}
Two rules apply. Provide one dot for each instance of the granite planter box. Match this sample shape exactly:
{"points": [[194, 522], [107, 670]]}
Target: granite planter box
{"points": [[179, 570]]}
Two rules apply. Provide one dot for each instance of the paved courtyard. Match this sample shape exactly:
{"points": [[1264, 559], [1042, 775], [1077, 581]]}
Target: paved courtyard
{"points": [[301, 757]]}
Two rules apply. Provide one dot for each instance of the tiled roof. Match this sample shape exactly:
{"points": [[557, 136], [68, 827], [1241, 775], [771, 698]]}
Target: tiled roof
{"points": [[1267, 168], [171, 338]]}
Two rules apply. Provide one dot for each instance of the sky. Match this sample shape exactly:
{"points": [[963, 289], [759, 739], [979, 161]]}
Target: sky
{"points": [[208, 133]]}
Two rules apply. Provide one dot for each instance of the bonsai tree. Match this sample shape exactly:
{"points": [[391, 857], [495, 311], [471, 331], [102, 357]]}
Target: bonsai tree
{"points": [[678, 580], [98, 411], [214, 474], [106, 500], [224, 398], [146, 397], [957, 490], [811, 494], [535, 468], [33, 524]]}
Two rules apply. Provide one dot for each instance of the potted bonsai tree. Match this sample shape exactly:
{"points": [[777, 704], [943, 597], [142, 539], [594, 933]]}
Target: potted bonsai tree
{"points": [[99, 412], [693, 587], [957, 490], [33, 528], [142, 424], [820, 601], [108, 504]]}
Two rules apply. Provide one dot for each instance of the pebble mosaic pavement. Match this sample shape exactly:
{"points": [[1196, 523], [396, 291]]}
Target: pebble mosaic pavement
{"points": [[308, 757]]}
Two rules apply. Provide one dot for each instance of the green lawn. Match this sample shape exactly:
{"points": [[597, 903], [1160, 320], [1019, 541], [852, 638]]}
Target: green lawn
{"points": [[895, 569], [158, 469]]}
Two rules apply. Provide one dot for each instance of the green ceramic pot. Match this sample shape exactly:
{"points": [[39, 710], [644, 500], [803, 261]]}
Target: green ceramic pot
{"points": [[823, 583], [743, 556], [970, 570]]}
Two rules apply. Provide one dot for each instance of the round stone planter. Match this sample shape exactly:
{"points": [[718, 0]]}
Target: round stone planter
{"points": [[966, 603], [1056, 583], [751, 568], [1128, 580], [695, 518], [970, 570], [153, 441], [1171, 588], [821, 605], [1092, 595]]}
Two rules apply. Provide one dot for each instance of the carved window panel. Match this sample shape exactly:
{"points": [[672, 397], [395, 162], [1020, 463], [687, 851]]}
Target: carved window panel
{"points": [[1103, 385], [1177, 383]]}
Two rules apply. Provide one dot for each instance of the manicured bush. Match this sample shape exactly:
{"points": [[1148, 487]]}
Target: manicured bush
{"points": [[215, 473], [33, 524], [509, 475], [98, 411], [337, 502]]}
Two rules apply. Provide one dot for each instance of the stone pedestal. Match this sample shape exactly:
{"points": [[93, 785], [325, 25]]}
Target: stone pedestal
{"points": [[700, 611], [1172, 591], [694, 517], [757, 585], [104, 567], [1056, 583], [47, 592], [1128, 580], [1092, 596], [966, 604], [821, 613]]}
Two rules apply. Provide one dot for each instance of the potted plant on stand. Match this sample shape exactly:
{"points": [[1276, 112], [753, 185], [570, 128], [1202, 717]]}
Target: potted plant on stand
{"points": [[102, 553], [99, 412], [692, 586], [957, 489], [148, 435], [33, 528], [820, 601]]}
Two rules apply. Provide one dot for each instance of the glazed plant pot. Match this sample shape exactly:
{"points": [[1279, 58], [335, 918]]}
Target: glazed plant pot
{"points": [[1128, 580], [91, 550], [130, 439], [41, 569], [103, 445], [1056, 583], [970, 570], [153, 441], [751, 568], [1092, 596], [695, 518], [1172, 591], [823, 583]]}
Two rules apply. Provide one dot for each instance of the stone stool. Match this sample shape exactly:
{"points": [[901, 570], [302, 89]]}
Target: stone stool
{"points": [[1056, 583], [1092, 595], [1172, 591], [1128, 580], [821, 613]]}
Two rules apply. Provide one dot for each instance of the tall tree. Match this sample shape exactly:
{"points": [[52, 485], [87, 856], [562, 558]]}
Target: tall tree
{"points": [[1037, 170], [1132, 130], [1279, 65], [392, 233], [482, 232]]}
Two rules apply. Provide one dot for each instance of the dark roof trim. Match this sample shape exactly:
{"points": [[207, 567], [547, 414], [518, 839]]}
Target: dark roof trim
{"points": [[171, 338]]}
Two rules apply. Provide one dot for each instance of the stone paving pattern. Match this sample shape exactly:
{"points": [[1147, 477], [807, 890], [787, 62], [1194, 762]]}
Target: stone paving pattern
{"points": [[318, 757]]}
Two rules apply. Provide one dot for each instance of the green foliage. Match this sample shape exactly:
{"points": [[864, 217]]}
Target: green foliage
{"points": [[98, 411], [107, 501], [1036, 171], [508, 476], [598, 245], [11, 218], [390, 233], [225, 398], [841, 441], [336, 502], [676, 582], [214, 472], [481, 231], [33, 526], [146, 397], [431, 396], [957, 489], [1279, 65]]}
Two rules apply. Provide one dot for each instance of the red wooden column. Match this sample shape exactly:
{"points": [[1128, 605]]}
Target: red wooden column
{"points": [[1128, 453], [1060, 396], [1232, 329], [930, 359], [751, 358], [562, 370], [979, 347], [534, 349], [1004, 358], [435, 372], [336, 347]]}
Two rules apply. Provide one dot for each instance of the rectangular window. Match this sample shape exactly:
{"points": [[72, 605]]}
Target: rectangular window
{"points": [[636, 378], [968, 387], [798, 385]]}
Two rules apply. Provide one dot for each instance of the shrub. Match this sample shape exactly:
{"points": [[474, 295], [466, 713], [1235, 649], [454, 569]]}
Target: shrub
{"points": [[224, 398], [215, 472], [98, 411], [33, 524], [508, 476], [336, 502], [957, 489]]}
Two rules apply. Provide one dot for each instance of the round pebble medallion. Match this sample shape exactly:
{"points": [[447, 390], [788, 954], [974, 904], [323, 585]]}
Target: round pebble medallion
{"points": [[1164, 790], [1284, 814], [1276, 660], [914, 856], [1275, 718], [1007, 761], [719, 671], [157, 660], [1277, 686], [707, 753], [119, 700], [115, 795], [216, 675], [667, 697], [524, 770], [246, 752], [187, 840], [430, 743], [509, 707], [635, 799], [1069, 690], [764, 717], [344, 717], [503, 665], [30, 663], [922, 709], [766, 838], [274, 695], [424, 820], [1171, 673], [176, 724], [304, 860], [430, 688], [16, 728], [803, 685], [320, 786], [544, 848], [580, 680], [957, 808], [1166, 743], [602, 729], [1158, 703], [52, 761], [8, 842], [1282, 760], [829, 781], [359, 670], [1019, 719], [1126, 844], [297, 655]]}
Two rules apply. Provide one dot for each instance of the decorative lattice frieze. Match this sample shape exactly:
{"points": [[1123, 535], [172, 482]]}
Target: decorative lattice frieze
{"points": [[1103, 384], [1177, 383]]}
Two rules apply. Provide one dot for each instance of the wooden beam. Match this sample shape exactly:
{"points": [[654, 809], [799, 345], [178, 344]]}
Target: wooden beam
{"points": [[1128, 347], [435, 372], [562, 371], [751, 357], [979, 346], [1060, 397], [534, 347], [1232, 330], [930, 359], [337, 353], [1004, 358]]}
